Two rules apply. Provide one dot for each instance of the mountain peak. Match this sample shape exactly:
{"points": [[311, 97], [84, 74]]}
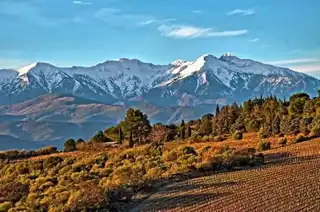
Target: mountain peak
{"points": [[26, 68], [178, 62]]}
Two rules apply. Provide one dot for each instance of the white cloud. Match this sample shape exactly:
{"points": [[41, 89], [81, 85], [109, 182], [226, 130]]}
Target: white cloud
{"points": [[197, 11], [147, 22], [254, 40], [307, 68], [82, 2], [185, 31], [242, 12], [294, 61], [117, 17]]}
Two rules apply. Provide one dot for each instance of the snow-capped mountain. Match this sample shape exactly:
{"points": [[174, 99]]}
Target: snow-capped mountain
{"points": [[207, 80]]}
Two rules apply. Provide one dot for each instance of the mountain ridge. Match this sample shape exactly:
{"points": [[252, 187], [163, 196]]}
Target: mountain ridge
{"points": [[183, 83]]}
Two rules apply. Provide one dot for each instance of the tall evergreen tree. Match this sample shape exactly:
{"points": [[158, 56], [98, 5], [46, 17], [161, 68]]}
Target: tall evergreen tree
{"points": [[121, 136], [189, 132], [217, 110], [182, 130], [131, 144]]}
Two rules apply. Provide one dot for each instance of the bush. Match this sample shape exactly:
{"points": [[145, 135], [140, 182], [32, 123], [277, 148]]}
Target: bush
{"points": [[283, 141], [5, 206], [264, 145], [300, 138], [315, 131], [189, 150], [69, 145], [262, 133], [238, 135], [219, 138]]}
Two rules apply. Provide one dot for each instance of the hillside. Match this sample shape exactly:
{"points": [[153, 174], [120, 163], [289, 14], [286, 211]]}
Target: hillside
{"points": [[69, 179], [288, 182], [52, 119]]}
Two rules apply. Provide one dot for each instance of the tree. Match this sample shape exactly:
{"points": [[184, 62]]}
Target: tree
{"points": [[206, 126], [137, 124], [69, 145], [158, 132], [276, 125], [121, 136], [80, 141], [182, 130], [189, 132], [131, 144], [297, 103], [217, 110], [99, 138]]}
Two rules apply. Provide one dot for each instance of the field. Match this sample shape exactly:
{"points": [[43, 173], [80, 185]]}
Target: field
{"points": [[290, 181]]}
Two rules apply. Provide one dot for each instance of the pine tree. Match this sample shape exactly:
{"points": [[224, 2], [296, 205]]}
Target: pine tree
{"points": [[138, 124]]}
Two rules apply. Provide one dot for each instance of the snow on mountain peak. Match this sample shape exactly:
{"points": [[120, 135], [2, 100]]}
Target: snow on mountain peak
{"points": [[178, 62], [26, 69]]}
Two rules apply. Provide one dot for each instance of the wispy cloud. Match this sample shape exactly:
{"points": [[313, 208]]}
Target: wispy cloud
{"points": [[185, 31], [310, 68], [147, 22], [242, 12], [118, 17], [294, 61], [254, 40], [197, 11], [82, 2]]}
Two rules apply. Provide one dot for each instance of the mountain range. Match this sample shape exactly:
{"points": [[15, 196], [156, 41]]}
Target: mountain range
{"points": [[41, 104], [207, 80]]}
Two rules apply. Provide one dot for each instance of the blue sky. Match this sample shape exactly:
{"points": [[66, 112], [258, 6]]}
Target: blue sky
{"points": [[67, 32]]}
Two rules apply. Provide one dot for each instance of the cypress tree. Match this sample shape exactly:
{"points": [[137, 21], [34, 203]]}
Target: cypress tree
{"points": [[189, 132], [182, 130], [121, 137], [131, 140]]}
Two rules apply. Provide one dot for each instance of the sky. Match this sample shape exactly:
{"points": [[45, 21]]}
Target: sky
{"points": [[75, 32]]}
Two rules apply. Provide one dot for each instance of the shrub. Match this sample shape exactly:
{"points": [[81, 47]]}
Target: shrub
{"points": [[189, 150], [5, 206], [283, 141], [262, 133], [170, 155], [220, 138], [315, 131], [264, 145], [300, 137], [238, 135]]}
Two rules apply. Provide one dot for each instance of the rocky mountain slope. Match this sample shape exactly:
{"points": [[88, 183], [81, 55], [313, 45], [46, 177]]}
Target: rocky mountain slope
{"points": [[207, 80]]}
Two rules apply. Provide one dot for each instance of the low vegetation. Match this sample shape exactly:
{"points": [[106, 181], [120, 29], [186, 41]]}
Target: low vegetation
{"points": [[110, 169]]}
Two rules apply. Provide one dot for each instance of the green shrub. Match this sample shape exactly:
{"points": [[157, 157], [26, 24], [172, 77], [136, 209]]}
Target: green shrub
{"points": [[5, 206], [264, 145], [262, 133], [283, 141], [315, 131], [238, 135], [300, 138], [189, 150]]}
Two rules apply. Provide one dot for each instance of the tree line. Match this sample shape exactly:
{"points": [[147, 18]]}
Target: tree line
{"points": [[268, 116]]}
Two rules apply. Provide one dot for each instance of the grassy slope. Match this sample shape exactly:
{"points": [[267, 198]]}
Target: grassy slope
{"points": [[289, 182]]}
